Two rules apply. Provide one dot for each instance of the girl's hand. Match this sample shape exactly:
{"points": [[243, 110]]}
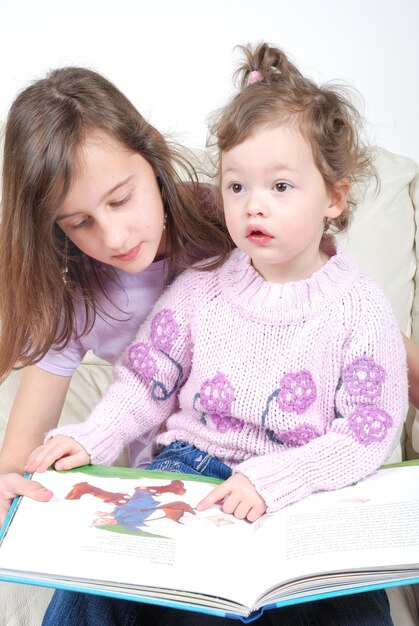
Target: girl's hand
{"points": [[12, 485], [61, 451], [238, 496]]}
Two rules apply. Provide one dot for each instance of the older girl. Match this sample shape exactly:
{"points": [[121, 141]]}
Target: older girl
{"points": [[95, 221]]}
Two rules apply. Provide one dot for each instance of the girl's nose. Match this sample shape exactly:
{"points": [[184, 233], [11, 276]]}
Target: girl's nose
{"points": [[114, 236], [255, 207], [256, 200]]}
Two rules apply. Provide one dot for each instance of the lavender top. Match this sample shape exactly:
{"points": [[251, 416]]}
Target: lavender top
{"points": [[132, 300]]}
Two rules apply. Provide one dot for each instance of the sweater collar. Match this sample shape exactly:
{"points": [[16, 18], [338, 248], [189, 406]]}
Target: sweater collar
{"points": [[288, 303]]}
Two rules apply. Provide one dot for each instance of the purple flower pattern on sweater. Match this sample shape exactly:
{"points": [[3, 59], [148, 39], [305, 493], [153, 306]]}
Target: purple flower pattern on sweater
{"points": [[224, 423], [298, 436], [163, 334], [369, 424], [363, 378], [141, 361], [294, 437], [164, 330], [297, 392], [216, 396]]}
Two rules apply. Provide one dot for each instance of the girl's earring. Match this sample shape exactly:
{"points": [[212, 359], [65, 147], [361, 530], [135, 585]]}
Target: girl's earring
{"points": [[164, 221], [64, 262]]}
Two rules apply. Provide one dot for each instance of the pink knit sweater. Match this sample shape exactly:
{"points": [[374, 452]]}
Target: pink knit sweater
{"points": [[301, 386]]}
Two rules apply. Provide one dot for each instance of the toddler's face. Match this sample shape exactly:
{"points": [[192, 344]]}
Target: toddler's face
{"points": [[114, 211], [276, 202]]}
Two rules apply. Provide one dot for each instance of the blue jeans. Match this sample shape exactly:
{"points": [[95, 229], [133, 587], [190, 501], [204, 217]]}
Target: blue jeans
{"points": [[183, 457], [69, 608]]}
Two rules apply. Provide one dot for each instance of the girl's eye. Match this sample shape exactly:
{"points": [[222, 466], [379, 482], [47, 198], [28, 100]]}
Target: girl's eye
{"points": [[236, 187], [281, 187], [84, 222], [118, 203]]}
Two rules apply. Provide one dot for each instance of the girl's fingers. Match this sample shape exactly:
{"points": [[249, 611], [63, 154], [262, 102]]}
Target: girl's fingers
{"points": [[73, 460], [41, 459], [217, 494], [238, 509], [12, 485], [54, 450]]}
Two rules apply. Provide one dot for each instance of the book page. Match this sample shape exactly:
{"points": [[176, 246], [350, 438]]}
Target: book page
{"points": [[372, 524], [130, 531]]}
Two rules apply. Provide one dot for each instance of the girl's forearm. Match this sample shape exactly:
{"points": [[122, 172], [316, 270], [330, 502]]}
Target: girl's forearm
{"points": [[36, 409]]}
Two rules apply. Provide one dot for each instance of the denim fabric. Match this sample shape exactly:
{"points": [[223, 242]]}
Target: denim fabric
{"points": [[185, 458], [69, 608], [360, 609]]}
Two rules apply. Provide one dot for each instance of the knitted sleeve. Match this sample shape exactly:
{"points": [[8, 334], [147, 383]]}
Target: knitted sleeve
{"points": [[371, 403], [146, 379]]}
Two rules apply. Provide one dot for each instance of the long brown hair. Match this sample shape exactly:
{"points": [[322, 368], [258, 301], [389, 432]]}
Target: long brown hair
{"points": [[272, 91], [46, 125]]}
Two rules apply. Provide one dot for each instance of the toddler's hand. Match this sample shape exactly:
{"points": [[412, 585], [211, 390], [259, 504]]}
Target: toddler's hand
{"points": [[61, 451], [238, 496]]}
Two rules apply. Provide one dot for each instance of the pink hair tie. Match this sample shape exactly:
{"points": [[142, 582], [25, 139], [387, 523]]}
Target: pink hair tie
{"points": [[254, 77]]}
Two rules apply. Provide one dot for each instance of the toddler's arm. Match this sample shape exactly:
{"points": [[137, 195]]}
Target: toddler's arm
{"points": [[370, 408], [147, 379]]}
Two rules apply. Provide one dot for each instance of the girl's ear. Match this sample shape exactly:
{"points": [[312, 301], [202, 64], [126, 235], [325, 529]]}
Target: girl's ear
{"points": [[338, 198]]}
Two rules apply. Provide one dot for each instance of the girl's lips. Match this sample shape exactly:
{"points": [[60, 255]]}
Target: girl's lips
{"points": [[130, 255], [258, 236]]}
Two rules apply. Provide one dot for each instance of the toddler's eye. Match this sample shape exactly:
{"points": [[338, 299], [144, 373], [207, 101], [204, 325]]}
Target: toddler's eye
{"points": [[236, 187], [282, 187]]}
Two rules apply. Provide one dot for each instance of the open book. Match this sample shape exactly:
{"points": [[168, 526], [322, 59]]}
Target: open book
{"points": [[135, 534]]}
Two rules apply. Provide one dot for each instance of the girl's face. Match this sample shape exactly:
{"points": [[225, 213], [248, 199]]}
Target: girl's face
{"points": [[114, 210], [276, 202]]}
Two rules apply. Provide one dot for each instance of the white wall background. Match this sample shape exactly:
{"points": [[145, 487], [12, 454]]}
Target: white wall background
{"points": [[174, 58]]}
